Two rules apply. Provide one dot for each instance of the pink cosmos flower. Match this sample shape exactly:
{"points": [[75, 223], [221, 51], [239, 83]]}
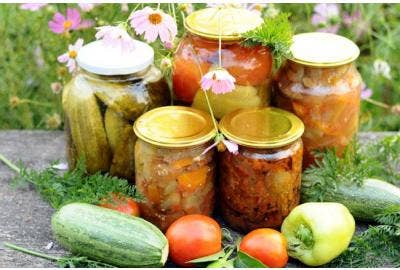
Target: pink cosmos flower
{"points": [[61, 24], [154, 23], [70, 56], [219, 81], [326, 16], [32, 6], [85, 7], [85, 24], [365, 91], [115, 36], [230, 146]]}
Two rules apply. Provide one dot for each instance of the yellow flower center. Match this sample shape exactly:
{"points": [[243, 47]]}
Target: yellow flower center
{"points": [[72, 54], [155, 18], [67, 24]]}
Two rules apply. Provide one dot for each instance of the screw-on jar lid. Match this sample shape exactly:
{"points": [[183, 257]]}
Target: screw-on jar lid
{"points": [[323, 49], [233, 22], [175, 127], [261, 127], [100, 59]]}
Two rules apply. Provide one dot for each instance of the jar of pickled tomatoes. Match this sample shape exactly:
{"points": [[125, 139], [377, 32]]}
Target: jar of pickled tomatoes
{"points": [[173, 171], [198, 53], [260, 184], [103, 99], [322, 86]]}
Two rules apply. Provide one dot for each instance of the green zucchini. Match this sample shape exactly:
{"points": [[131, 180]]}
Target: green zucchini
{"points": [[364, 201], [109, 236]]}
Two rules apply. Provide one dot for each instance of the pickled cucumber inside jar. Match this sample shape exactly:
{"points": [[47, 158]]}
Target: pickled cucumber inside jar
{"points": [[198, 54], [104, 98], [322, 86], [173, 171]]}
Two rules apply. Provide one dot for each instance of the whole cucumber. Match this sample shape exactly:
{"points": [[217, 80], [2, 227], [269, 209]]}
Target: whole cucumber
{"points": [[109, 236]]}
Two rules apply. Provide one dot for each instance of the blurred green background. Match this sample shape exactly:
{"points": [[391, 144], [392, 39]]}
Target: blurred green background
{"points": [[30, 76]]}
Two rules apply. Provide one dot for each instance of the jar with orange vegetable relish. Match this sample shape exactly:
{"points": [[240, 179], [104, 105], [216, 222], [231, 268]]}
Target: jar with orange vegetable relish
{"points": [[172, 174], [322, 86], [260, 185], [197, 54]]}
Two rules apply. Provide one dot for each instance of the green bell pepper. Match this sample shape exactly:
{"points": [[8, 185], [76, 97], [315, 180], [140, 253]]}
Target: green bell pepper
{"points": [[318, 232]]}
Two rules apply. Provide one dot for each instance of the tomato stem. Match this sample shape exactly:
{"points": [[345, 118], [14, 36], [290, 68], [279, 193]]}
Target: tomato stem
{"points": [[31, 252]]}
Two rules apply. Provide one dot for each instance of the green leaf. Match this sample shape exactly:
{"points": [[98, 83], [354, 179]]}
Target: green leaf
{"points": [[244, 260], [276, 33], [209, 258]]}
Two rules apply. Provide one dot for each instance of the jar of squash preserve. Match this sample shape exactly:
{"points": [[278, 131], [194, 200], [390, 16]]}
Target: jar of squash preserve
{"points": [[322, 86], [197, 54], [104, 99], [172, 174], [260, 185]]}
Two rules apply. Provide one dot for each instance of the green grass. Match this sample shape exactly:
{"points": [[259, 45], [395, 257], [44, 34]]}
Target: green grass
{"points": [[24, 35]]}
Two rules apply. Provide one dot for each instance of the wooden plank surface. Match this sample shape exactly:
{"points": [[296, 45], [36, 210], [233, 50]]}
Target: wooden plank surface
{"points": [[24, 217]]}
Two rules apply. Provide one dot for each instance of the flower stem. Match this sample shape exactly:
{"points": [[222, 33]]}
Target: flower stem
{"points": [[9, 164], [378, 103], [219, 43], [33, 102], [31, 252]]}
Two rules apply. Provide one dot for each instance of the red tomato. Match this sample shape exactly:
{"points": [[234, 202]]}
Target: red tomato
{"points": [[121, 204], [186, 78], [249, 66], [266, 245], [193, 236]]}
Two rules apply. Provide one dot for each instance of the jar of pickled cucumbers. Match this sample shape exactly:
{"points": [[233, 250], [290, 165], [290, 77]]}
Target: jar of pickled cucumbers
{"points": [[173, 171], [322, 86], [102, 101], [260, 184], [198, 54]]}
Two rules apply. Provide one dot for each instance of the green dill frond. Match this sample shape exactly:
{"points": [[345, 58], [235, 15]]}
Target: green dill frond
{"points": [[75, 185], [276, 33]]}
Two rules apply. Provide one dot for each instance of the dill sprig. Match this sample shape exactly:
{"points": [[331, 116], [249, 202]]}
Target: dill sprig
{"points": [[276, 33], [375, 160], [378, 246], [65, 262], [74, 186]]}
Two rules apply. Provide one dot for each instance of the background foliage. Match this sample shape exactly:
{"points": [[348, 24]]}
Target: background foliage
{"points": [[29, 50]]}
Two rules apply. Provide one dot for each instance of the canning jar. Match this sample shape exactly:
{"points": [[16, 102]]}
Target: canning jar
{"points": [[260, 184], [102, 101], [322, 86], [197, 54], [172, 173]]}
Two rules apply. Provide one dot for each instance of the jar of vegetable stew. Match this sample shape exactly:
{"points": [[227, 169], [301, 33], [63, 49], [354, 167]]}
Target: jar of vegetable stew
{"points": [[197, 54], [260, 184], [322, 86], [101, 102], [172, 172]]}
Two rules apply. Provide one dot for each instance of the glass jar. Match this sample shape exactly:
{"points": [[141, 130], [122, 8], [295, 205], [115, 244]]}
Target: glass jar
{"points": [[322, 86], [197, 54], [102, 101], [173, 173], [260, 185]]}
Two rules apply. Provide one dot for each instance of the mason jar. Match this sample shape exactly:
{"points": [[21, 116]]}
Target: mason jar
{"points": [[260, 184], [322, 86], [102, 101], [197, 54], [174, 173]]}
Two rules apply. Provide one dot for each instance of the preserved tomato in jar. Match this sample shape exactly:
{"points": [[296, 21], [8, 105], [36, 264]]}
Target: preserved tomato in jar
{"points": [[172, 172], [102, 101], [322, 86], [197, 54], [260, 184]]}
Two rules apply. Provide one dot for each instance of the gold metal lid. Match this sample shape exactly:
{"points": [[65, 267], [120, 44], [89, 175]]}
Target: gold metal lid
{"points": [[175, 127], [261, 127], [323, 49], [233, 22]]}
